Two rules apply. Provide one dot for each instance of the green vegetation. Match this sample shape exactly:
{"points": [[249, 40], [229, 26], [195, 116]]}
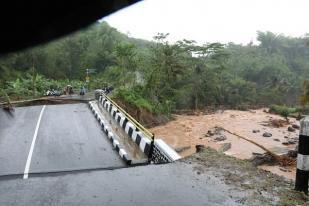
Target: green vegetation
{"points": [[161, 77], [286, 111], [282, 110], [134, 99], [24, 88]]}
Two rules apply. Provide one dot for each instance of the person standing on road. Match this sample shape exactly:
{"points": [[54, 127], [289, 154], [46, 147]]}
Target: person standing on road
{"points": [[82, 90]]}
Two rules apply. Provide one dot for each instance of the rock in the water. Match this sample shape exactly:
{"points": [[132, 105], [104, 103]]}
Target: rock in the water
{"points": [[285, 143], [210, 133], [292, 153], [267, 134], [199, 148], [220, 138], [295, 126], [277, 140], [292, 141], [225, 147], [260, 159], [257, 153], [286, 137], [255, 130], [181, 149], [291, 129]]}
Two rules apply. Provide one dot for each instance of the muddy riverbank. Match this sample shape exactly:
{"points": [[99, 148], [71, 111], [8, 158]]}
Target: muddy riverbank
{"points": [[269, 130]]}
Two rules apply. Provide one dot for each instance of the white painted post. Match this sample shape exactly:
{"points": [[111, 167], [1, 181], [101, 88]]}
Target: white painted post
{"points": [[302, 172]]}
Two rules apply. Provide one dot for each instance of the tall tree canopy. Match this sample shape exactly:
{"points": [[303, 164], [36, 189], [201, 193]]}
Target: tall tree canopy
{"points": [[169, 76]]}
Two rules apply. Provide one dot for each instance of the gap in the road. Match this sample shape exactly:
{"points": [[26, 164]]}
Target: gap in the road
{"points": [[67, 172], [46, 101], [79, 171]]}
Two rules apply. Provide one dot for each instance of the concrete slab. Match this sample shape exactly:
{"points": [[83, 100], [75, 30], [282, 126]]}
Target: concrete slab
{"points": [[70, 138], [16, 133], [169, 184]]}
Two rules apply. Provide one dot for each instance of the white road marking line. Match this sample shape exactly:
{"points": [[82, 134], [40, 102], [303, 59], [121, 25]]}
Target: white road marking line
{"points": [[32, 144]]}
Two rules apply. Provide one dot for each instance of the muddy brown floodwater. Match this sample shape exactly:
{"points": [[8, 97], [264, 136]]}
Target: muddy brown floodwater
{"points": [[187, 131]]}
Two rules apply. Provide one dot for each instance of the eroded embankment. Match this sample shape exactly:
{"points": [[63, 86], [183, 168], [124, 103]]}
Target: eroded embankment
{"points": [[248, 185], [143, 116]]}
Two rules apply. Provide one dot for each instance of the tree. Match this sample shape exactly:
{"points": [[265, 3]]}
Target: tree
{"points": [[304, 99]]}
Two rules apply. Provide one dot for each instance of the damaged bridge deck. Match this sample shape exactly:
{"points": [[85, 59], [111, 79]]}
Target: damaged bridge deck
{"points": [[67, 137]]}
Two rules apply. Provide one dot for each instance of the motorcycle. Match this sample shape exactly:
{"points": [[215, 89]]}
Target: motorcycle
{"points": [[52, 93]]}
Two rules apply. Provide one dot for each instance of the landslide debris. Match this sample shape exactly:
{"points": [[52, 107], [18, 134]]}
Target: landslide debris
{"points": [[248, 184]]}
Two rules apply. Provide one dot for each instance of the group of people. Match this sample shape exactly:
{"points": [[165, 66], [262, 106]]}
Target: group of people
{"points": [[68, 90], [107, 89]]}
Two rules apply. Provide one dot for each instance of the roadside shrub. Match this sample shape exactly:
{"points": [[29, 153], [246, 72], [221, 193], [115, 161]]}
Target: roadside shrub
{"points": [[133, 98], [284, 111], [22, 87], [303, 109]]}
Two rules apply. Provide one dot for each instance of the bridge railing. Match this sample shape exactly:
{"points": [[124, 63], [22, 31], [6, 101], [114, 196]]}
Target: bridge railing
{"points": [[137, 132], [146, 132], [157, 150]]}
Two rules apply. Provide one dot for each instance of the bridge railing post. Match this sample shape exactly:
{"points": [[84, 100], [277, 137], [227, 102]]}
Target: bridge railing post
{"points": [[302, 172], [151, 148]]}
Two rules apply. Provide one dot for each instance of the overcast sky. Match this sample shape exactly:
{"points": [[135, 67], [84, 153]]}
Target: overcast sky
{"points": [[212, 20]]}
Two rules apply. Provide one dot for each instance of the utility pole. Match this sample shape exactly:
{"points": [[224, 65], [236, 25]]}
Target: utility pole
{"points": [[87, 79], [89, 71]]}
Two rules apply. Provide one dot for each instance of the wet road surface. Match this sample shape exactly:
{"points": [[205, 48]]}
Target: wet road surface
{"points": [[68, 138], [169, 184]]}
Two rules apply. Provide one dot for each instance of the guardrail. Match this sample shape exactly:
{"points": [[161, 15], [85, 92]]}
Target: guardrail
{"points": [[109, 134], [146, 132], [137, 132], [157, 150]]}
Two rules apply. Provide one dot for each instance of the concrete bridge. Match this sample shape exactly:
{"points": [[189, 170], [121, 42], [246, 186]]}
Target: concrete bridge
{"points": [[91, 154]]}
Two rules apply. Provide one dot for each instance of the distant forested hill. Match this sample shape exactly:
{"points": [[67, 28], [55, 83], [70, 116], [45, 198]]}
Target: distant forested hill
{"points": [[160, 76], [68, 57]]}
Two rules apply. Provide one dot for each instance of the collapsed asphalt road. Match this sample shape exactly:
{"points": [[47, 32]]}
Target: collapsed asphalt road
{"points": [[73, 163], [62, 143], [208, 178], [169, 184], [66, 137]]}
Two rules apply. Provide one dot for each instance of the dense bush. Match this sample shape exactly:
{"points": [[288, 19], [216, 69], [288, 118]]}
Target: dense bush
{"points": [[303, 109], [134, 99], [282, 110], [28, 87]]}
